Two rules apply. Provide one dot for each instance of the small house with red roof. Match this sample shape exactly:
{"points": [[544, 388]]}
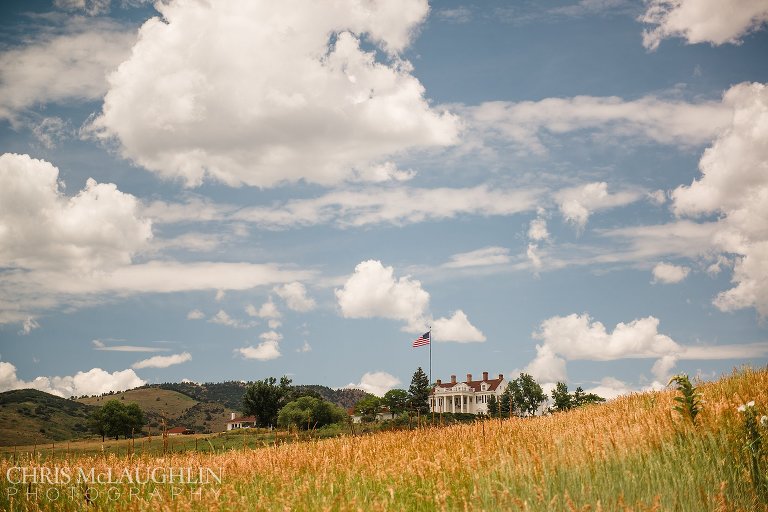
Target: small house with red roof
{"points": [[241, 422], [470, 396], [178, 431]]}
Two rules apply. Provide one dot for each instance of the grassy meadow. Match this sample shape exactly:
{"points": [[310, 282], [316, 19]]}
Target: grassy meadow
{"points": [[633, 453]]}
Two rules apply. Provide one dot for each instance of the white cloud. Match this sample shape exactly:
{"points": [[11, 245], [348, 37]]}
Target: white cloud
{"points": [[97, 229], [479, 257], [527, 123], [579, 337], [680, 238], [28, 326], [534, 257], [267, 310], [373, 292], [398, 206], [264, 351], [456, 328], [702, 21], [578, 203], [90, 7], [271, 336], [299, 100], [59, 67], [662, 368], [50, 131], [93, 382], [734, 184], [223, 318], [24, 292], [537, 231], [666, 273], [100, 345], [611, 387], [658, 197], [162, 361], [295, 296], [219, 295], [376, 383], [306, 347], [459, 14], [195, 314]]}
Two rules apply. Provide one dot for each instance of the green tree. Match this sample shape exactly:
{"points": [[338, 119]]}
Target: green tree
{"points": [[368, 406], [264, 399], [308, 412], [493, 406], [115, 419], [505, 403], [418, 392], [531, 396], [97, 423], [562, 400], [580, 397], [396, 400], [134, 419]]}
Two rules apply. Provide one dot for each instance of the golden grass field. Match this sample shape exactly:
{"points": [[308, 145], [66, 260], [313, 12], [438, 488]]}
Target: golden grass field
{"points": [[633, 453]]}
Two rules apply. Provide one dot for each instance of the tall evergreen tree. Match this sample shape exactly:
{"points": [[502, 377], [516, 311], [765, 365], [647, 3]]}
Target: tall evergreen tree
{"points": [[418, 392], [505, 403], [493, 406]]}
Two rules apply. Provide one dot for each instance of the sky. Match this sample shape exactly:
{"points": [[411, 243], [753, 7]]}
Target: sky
{"points": [[216, 190]]}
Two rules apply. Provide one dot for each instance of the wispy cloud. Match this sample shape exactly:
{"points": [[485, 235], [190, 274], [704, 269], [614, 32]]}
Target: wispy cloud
{"points": [[99, 345], [162, 361]]}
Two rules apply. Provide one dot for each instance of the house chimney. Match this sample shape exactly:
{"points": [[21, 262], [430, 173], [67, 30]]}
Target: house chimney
{"points": [[438, 382], [232, 417], [453, 379], [485, 375], [469, 377], [501, 376]]}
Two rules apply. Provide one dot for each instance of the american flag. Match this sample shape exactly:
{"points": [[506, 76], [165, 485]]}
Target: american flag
{"points": [[421, 340]]}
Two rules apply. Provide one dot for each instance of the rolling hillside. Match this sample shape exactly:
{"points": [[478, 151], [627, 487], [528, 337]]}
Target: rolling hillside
{"points": [[28, 416], [178, 409]]}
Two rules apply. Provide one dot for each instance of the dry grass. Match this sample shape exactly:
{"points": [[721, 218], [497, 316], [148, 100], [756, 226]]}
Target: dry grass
{"points": [[633, 453]]}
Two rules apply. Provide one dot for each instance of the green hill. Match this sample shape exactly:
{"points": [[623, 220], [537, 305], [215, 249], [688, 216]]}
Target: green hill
{"points": [[28, 416], [230, 394]]}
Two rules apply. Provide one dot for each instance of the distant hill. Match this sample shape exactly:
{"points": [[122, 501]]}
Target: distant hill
{"points": [[177, 408], [28, 416], [345, 398], [230, 394]]}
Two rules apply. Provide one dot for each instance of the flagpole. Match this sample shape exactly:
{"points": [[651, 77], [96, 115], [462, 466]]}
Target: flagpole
{"points": [[434, 395]]}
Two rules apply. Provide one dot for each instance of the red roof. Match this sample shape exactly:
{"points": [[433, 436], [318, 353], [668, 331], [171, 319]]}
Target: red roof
{"points": [[244, 419], [178, 430], [473, 384]]}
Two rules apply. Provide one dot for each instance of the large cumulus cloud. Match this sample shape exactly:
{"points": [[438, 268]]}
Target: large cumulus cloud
{"points": [[259, 92]]}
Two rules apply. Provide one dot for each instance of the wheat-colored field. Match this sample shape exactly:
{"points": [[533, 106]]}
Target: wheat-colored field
{"points": [[633, 453]]}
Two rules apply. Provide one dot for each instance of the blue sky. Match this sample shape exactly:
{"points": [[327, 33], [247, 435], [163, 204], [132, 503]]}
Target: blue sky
{"points": [[234, 190]]}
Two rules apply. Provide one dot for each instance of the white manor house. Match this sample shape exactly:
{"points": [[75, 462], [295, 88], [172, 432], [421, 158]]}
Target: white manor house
{"points": [[470, 396]]}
